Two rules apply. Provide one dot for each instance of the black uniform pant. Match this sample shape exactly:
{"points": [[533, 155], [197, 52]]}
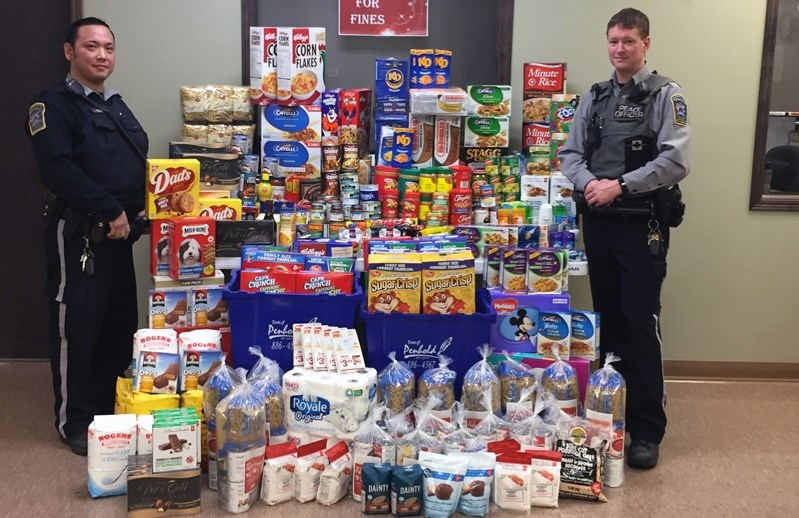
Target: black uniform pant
{"points": [[92, 322], [625, 286]]}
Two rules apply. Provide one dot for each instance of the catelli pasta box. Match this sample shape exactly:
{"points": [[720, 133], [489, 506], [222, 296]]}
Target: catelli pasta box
{"points": [[300, 64]]}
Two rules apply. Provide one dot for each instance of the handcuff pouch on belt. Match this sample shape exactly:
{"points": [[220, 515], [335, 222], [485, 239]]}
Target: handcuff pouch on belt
{"points": [[663, 205]]}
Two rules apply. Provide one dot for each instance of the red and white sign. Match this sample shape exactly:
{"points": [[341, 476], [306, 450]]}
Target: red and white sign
{"points": [[382, 18]]}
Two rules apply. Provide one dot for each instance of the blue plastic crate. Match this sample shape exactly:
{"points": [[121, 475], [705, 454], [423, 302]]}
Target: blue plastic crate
{"points": [[418, 339], [266, 319]]}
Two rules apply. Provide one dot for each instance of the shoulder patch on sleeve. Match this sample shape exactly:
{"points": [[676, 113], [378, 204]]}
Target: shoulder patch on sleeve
{"points": [[36, 121], [680, 110]]}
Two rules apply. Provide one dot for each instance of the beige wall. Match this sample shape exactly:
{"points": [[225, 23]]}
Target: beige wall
{"points": [[730, 294]]}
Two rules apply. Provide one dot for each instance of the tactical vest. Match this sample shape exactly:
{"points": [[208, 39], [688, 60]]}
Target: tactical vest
{"points": [[620, 137]]}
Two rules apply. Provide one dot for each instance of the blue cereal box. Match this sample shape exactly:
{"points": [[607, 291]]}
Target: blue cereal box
{"points": [[585, 335], [331, 100], [391, 86]]}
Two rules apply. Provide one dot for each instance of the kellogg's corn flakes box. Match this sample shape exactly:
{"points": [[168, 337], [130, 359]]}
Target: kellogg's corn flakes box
{"points": [[300, 64], [173, 187], [263, 65]]}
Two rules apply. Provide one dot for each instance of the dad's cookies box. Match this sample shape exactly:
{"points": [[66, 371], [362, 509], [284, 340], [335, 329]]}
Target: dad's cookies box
{"points": [[173, 188], [516, 328]]}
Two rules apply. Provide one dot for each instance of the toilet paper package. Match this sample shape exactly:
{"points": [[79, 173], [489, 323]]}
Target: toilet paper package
{"points": [[328, 404], [111, 439]]}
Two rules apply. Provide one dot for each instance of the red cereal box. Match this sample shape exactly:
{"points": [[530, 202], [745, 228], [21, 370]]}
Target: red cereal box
{"points": [[543, 79], [159, 247], [355, 115], [192, 247], [328, 283], [272, 261], [255, 281]]}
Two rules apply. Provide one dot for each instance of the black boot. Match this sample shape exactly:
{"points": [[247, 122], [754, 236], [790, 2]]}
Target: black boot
{"points": [[642, 454]]}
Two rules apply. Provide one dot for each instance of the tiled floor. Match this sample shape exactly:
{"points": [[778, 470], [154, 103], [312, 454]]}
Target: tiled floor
{"points": [[729, 451]]}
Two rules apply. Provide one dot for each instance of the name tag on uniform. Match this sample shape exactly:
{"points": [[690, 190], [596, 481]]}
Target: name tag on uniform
{"points": [[629, 112]]}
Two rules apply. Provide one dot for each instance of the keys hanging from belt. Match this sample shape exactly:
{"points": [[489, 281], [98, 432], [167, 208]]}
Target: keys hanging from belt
{"points": [[654, 240], [87, 258]]}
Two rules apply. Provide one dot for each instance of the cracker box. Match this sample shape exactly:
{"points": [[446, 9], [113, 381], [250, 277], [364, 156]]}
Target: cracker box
{"points": [[544, 79], [297, 123], [263, 65], [221, 209], [446, 140], [545, 271], [169, 309], [173, 188], [391, 86], [394, 283], [585, 335], [554, 328], [489, 100], [423, 127], [159, 247], [513, 270], [192, 248], [208, 308], [157, 372], [327, 283], [295, 158], [448, 283], [300, 64], [561, 112], [255, 281], [485, 131]]}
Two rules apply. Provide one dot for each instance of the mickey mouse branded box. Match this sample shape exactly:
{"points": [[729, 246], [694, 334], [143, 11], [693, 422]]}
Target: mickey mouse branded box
{"points": [[516, 328]]}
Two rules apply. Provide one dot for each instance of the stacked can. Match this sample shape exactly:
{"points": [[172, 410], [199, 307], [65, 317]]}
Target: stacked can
{"points": [[348, 185], [427, 186], [460, 206], [408, 182]]}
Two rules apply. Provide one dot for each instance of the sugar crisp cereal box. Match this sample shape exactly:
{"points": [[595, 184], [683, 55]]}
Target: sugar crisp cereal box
{"points": [[448, 283], [394, 284]]}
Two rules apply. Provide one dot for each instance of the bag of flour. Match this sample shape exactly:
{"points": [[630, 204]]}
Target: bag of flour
{"points": [[311, 462], [278, 482], [337, 476]]}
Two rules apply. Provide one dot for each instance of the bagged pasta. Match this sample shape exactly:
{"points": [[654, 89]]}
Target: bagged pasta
{"points": [[409, 446], [373, 445], [397, 384], [241, 440], [220, 383], [428, 422], [523, 408], [605, 401], [492, 426], [479, 378], [398, 425], [561, 380], [459, 440], [476, 491], [443, 479], [336, 478], [278, 481], [265, 375], [513, 377], [439, 381]]}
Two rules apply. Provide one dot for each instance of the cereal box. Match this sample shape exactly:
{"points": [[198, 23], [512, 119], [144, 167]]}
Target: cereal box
{"points": [[159, 247], [297, 123], [173, 188], [486, 132], [513, 270], [295, 158], [263, 65], [221, 209], [327, 283], [448, 283], [447, 138], [300, 64], [355, 116], [554, 328], [544, 79], [423, 68], [489, 100], [208, 308], [192, 247], [330, 116], [423, 137], [394, 283], [168, 309], [260, 281], [545, 271], [272, 261], [585, 335], [391, 86], [561, 112]]}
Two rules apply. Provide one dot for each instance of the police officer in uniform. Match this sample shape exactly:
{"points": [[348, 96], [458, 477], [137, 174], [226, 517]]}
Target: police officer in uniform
{"points": [[91, 153], [627, 150]]}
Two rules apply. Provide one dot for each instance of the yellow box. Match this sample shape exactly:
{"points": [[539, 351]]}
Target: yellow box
{"points": [[129, 402], [394, 283], [448, 283], [221, 209], [173, 187]]}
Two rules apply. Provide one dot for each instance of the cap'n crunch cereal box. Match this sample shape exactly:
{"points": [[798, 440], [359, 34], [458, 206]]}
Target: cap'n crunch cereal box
{"points": [[173, 187]]}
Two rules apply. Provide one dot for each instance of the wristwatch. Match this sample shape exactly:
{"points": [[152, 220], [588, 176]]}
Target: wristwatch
{"points": [[623, 185]]}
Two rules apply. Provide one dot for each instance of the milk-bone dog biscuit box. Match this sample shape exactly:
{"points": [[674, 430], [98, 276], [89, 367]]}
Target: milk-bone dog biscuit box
{"points": [[173, 188], [192, 247]]}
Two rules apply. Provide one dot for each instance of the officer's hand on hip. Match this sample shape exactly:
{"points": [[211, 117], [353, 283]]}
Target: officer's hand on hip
{"points": [[599, 193], [119, 228]]}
